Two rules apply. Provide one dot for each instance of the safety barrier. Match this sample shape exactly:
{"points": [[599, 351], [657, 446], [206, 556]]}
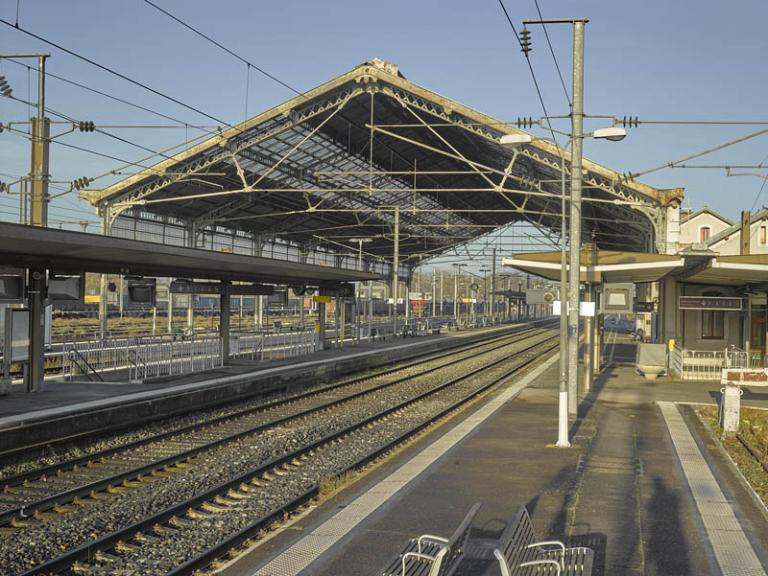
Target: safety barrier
{"points": [[688, 364], [273, 346], [142, 359]]}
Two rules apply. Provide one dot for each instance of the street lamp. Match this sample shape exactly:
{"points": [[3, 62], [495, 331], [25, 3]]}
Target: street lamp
{"points": [[568, 386]]}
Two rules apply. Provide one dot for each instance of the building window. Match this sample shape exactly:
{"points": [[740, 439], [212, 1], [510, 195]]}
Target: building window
{"points": [[763, 235], [712, 322], [704, 233]]}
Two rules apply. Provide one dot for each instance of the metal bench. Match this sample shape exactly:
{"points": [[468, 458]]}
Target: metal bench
{"points": [[430, 555], [520, 554]]}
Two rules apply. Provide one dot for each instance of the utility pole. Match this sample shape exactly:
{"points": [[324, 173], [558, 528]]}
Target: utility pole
{"points": [[37, 280], [574, 264], [40, 142], [577, 122], [395, 269], [493, 287], [434, 293]]}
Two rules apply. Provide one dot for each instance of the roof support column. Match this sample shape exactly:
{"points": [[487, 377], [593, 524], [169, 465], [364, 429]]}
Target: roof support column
{"points": [[224, 308], [395, 268], [191, 243], [106, 230], [37, 287]]}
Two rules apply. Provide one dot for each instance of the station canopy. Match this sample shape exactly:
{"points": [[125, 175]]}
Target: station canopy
{"points": [[67, 252], [600, 266], [327, 168]]}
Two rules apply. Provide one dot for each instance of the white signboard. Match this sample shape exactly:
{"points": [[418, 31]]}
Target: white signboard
{"points": [[585, 308]]}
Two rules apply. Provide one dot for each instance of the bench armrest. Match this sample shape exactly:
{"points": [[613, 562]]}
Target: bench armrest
{"points": [[549, 543], [431, 538], [554, 563], [436, 559], [503, 568]]}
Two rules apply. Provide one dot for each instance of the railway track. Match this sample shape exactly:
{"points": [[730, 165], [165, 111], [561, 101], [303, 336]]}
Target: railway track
{"points": [[316, 435], [36, 491], [24, 464]]}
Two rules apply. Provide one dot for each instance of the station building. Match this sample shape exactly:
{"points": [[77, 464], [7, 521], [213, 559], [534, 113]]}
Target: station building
{"points": [[705, 295]]}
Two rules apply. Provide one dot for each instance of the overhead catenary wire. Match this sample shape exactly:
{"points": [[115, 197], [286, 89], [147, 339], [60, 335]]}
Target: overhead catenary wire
{"points": [[115, 72], [48, 74], [222, 47], [554, 57]]}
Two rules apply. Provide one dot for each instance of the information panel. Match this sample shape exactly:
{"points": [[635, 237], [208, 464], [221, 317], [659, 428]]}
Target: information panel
{"points": [[710, 303]]}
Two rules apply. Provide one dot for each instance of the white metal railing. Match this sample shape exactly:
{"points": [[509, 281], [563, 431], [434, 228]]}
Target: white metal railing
{"points": [[688, 364], [142, 359], [273, 346]]}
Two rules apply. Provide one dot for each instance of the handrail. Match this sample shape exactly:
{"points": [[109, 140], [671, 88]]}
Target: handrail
{"points": [[73, 353]]}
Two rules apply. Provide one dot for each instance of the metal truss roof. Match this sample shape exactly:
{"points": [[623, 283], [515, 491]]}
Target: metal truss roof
{"points": [[329, 166]]}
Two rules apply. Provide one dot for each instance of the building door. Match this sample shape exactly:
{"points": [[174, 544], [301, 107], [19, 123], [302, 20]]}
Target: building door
{"points": [[758, 328]]}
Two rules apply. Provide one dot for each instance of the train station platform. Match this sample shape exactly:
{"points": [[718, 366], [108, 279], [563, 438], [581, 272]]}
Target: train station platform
{"points": [[71, 408], [644, 484]]}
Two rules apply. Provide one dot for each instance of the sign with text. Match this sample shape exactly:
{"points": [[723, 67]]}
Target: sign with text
{"points": [[644, 306], [710, 303]]}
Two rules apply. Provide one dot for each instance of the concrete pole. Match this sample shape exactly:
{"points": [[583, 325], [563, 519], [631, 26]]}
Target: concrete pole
{"points": [[40, 144], [395, 269], [442, 299], [563, 425], [456, 307], [434, 293], [588, 342], [577, 119], [493, 287]]}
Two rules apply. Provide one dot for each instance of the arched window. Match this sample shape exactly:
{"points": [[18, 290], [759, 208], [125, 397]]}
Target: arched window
{"points": [[704, 233]]}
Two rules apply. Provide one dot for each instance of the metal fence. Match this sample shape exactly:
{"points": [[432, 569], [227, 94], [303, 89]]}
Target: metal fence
{"points": [[141, 359], [688, 364], [273, 346]]}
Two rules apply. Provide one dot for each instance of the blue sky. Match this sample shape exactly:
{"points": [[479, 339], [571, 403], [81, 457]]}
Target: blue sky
{"points": [[658, 60]]}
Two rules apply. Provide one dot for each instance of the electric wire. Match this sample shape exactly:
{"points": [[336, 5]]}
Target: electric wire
{"points": [[221, 46], [554, 58], [71, 82], [115, 73]]}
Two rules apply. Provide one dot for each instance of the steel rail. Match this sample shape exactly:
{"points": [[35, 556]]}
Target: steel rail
{"points": [[106, 542], [6, 454], [205, 558], [21, 513]]}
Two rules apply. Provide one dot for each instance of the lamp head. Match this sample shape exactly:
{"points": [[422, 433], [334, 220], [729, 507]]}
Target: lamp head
{"points": [[511, 140], [613, 133]]}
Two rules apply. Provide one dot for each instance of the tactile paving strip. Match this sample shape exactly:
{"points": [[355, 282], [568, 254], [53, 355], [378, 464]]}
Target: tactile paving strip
{"points": [[732, 549], [299, 556]]}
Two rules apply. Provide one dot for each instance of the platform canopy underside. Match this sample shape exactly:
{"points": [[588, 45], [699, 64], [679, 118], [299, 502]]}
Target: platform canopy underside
{"points": [[327, 168]]}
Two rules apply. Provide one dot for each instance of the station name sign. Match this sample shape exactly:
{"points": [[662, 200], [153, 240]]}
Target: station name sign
{"points": [[186, 287], [710, 303]]}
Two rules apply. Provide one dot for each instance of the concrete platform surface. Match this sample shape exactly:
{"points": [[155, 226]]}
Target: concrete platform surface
{"points": [[56, 394], [620, 489]]}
